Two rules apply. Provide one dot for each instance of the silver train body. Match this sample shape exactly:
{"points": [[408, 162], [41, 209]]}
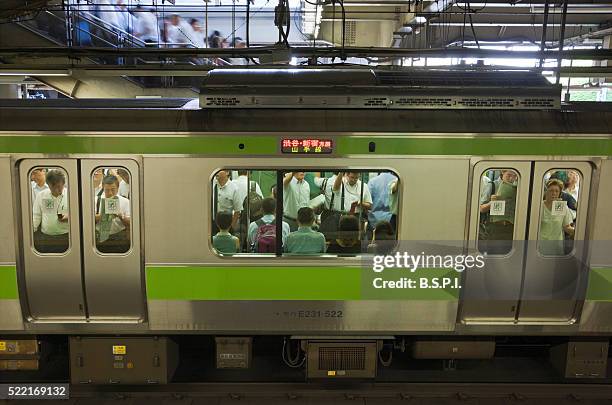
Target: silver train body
{"points": [[85, 293]]}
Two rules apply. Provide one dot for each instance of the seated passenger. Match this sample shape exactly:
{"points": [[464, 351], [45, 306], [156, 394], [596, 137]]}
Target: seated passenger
{"points": [[383, 239], [305, 240], [224, 241], [112, 218], [50, 215], [555, 220], [348, 240], [262, 233]]}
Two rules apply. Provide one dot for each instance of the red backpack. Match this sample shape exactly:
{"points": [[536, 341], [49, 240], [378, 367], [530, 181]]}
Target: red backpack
{"points": [[265, 238]]}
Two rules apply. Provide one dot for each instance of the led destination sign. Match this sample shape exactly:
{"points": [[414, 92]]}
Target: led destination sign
{"points": [[306, 146]]}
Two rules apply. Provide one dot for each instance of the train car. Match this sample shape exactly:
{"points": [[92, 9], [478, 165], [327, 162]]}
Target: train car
{"points": [[170, 280]]}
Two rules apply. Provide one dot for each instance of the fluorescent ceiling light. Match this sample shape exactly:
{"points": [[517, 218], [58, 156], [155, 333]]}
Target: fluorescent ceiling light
{"points": [[34, 72]]}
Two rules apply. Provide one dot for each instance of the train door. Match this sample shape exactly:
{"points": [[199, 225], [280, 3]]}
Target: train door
{"points": [[81, 239], [500, 201], [555, 265], [52, 260]]}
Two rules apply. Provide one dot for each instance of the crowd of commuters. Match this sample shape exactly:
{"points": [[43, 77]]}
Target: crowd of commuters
{"points": [[498, 198], [50, 215], [154, 29], [343, 216]]}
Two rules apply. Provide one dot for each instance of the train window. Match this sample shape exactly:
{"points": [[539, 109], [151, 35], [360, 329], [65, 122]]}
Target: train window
{"points": [[244, 208], [343, 213], [112, 208], [50, 215], [497, 207], [558, 212]]}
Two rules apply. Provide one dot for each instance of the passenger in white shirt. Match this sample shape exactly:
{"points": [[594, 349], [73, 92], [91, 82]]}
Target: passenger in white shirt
{"points": [[108, 12], [112, 219], [39, 182], [177, 32], [296, 195], [124, 184], [197, 34], [50, 215], [226, 197], [326, 184], [241, 184], [147, 26], [97, 177], [353, 202]]}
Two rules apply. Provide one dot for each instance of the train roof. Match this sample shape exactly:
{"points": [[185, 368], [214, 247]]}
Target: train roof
{"points": [[176, 115]]}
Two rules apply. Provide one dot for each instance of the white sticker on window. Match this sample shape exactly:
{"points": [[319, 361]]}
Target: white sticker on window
{"points": [[498, 207], [111, 206], [558, 208], [48, 204]]}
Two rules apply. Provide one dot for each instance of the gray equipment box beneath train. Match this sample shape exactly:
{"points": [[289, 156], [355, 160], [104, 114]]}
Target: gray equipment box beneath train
{"points": [[581, 359], [451, 350], [337, 359], [101, 360], [234, 352]]}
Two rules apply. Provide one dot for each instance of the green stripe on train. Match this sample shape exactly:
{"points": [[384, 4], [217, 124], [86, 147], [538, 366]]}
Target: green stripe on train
{"points": [[285, 283], [600, 284], [269, 145], [8, 283]]}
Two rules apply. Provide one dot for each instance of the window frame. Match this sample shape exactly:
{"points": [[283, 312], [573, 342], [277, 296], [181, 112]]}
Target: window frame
{"points": [[478, 240], [93, 197], [572, 252], [31, 211], [280, 172]]}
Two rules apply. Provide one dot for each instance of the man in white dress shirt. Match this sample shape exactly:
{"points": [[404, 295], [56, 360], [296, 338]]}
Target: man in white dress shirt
{"points": [[112, 218], [354, 199], [226, 198], [50, 215], [296, 195], [147, 26], [39, 182]]}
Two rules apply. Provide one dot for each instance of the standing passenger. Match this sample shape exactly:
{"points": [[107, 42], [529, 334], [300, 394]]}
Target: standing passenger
{"points": [[572, 185], [353, 195], [260, 239], [379, 188], [124, 184], [50, 215], [393, 204], [147, 26], [305, 240], [39, 182], [296, 195], [556, 221], [226, 198], [112, 218], [241, 185]]}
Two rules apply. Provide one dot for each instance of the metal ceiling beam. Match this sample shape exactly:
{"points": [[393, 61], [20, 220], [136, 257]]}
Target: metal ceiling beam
{"points": [[74, 54], [119, 71]]}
